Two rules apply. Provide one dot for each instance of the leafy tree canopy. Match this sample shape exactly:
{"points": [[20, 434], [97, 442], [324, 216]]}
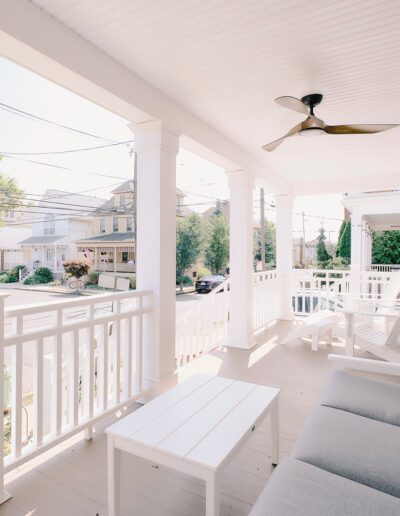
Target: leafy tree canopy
{"points": [[270, 244], [190, 242], [11, 195], [322, 253], [386, 247], [217, 252]]}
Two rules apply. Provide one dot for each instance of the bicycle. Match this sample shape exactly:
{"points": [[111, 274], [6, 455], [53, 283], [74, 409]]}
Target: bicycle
{"points": [[77, 284]]}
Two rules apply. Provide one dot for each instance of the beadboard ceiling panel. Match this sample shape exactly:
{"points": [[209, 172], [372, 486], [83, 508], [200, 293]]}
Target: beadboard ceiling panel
{"points": [[226, 61]]}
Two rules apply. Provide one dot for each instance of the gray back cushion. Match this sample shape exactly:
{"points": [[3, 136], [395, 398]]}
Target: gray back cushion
{"points": [[299, 489], [362, 396], [352, 446]]}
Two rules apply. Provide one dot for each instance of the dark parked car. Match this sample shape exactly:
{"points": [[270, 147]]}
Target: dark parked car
{"points": [[208, 283]]}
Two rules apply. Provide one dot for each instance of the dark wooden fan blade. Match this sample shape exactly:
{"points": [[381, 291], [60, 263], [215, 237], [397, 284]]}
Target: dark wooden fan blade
{"points": [[293, 104], [295, 130], [358, 128]]}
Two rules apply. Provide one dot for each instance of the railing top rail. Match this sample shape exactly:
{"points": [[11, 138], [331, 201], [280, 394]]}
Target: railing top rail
{"points": [[71, 303]]}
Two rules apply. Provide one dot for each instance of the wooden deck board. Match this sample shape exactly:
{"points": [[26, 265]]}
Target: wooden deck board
{"points": [[74, 481]]}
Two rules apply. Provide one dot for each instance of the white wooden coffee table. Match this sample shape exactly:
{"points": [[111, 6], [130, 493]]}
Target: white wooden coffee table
{"points": [[194, 428]]}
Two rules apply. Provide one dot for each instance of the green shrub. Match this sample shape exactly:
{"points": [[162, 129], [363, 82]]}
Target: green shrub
{"points": [[8, 277], [41, 276], [203, 271], [93, 278]]}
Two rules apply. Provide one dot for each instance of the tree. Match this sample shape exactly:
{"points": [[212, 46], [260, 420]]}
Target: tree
{"points": [[386, 247], [217, 252], [344, 243], [270, 244], [322, 253], [190, 242], [11, 195]]}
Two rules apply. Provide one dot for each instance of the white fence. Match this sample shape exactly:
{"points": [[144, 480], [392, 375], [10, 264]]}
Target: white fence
{"points": [[381, 267], [265, 298], [68, 364], [319, 289], [205, 327]]}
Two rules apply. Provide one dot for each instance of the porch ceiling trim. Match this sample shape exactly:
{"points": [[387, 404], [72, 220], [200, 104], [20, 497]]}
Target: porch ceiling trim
{"points": [[69, 60]]}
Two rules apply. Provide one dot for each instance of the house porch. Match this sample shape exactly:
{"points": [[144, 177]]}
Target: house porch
{"points": [[75, 480]]}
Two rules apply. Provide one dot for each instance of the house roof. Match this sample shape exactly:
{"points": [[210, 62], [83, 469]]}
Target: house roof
{"points": [[42, 239], [60, 200], [126, 186], [110, 237]]}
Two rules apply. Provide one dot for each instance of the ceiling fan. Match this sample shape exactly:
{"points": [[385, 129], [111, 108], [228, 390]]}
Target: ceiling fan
{"points": [[313, 126]]}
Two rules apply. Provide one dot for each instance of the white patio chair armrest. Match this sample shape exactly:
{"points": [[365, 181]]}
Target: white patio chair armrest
{"points": [[366, 364], [372, 314]]}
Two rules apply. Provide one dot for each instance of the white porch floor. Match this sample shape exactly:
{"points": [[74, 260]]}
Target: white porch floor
{"points": [[74, 481]]}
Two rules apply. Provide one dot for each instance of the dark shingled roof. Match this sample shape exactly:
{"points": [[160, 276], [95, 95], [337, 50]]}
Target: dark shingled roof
{"points": [[41, 239], [110, 237]]}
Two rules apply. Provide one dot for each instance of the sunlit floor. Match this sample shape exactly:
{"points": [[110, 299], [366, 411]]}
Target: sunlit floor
{"points": [[74, 481]]}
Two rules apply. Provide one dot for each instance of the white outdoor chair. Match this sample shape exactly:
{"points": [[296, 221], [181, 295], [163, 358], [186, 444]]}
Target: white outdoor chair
{"points": [[364, 334], [324, 321]]}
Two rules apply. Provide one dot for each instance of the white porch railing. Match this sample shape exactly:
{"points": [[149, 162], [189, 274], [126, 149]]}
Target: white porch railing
{"points": [[265, 298], [68, 364], [319, 289], [204, 327]]}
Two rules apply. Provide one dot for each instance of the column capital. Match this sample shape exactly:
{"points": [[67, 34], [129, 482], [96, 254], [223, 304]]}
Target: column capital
{"points": [[240, 177], [152, 135]]}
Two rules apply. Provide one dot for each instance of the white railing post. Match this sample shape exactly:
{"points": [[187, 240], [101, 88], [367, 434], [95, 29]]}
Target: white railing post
{"points": [[284, 254], [4, 495]]}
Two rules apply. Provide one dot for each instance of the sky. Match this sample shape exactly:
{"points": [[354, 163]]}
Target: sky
{"points": [[96, 172]]}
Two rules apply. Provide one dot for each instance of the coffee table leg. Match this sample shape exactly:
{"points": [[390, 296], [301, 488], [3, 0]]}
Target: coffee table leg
{"points": [[114, 463], [275, 432], [213, 493]]}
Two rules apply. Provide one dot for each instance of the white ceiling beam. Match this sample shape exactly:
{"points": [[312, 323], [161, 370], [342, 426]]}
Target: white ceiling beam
{"points": [[36, 40], [348, 184]]}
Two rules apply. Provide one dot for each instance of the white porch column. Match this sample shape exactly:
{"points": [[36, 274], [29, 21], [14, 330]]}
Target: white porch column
{"points": [[284, 254], [55, 258], [115, 259], [356, 251], [241, 333], [156, 149], [96, 258]]}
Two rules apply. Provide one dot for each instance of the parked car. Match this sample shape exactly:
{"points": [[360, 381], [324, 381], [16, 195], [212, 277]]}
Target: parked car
{"points": [[208, 283]]}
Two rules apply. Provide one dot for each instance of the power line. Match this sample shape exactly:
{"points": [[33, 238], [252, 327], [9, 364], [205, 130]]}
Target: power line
{"points": [[65, 151], [14, 110], [53, 165]]}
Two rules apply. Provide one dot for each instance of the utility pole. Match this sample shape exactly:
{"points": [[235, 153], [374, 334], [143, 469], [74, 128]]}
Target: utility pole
{"points": [[262, 228]]}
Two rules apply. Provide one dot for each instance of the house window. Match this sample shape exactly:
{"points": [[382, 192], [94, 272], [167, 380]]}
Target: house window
{"points": [[102, 225], [115, 223], [122, 200], [129, 224], [124, 257], [49, 224]]}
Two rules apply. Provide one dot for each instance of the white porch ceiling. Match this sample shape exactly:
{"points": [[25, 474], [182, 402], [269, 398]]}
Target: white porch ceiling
{"points": [[225, 61]]}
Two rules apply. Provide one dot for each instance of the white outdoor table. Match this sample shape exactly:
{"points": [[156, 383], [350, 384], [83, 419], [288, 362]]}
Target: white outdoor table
{"points": [[194, 428]]}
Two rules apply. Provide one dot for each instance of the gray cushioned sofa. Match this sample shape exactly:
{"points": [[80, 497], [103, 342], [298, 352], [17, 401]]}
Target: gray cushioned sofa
{"points": [[347, 458]]}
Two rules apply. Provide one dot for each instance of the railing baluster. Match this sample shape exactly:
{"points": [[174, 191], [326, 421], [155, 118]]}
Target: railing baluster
{"points": [[75, 377], [88, 385], [139, 348], [16, 407], [117, 357], [59, 375], [38, 392]]}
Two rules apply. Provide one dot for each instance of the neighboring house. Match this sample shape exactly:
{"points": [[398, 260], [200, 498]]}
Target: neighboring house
{"points": [[15, 227], [64, 218], [111, 246]]}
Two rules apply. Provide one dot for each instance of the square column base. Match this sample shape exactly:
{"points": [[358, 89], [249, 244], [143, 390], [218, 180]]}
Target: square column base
{"points": [[5, 495], [240, 340]]}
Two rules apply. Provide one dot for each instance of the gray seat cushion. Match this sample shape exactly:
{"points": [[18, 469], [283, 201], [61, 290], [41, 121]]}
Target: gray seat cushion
{"points": [[362, 396], [352, 446], [299, 489]]}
